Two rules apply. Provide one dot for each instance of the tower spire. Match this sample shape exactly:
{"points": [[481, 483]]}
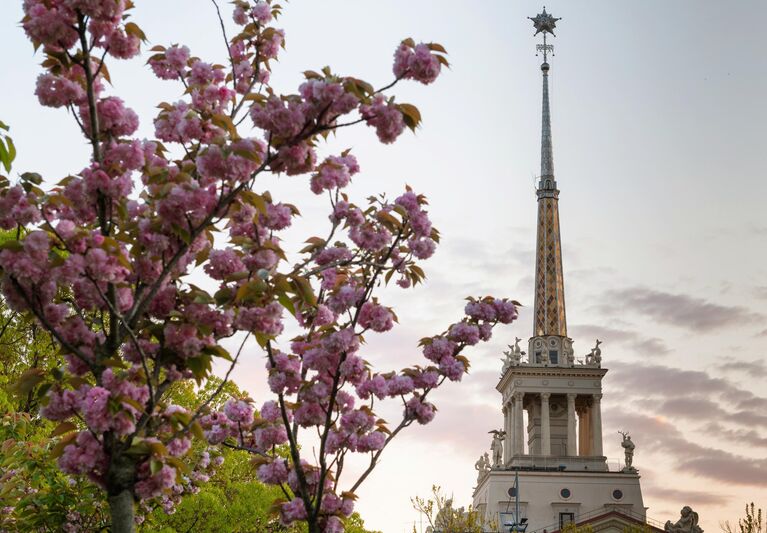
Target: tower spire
{"points": [[550, 318]]}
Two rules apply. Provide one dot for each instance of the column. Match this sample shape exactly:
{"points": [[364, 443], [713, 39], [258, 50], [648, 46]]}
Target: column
{"points": [[596, 425], [507, 429], [545, 425], [519, 430], [584, 432], [571, 449]]}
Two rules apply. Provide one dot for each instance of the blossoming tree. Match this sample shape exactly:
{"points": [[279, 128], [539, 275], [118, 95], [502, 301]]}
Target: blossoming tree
{"points": [[102, 260]]}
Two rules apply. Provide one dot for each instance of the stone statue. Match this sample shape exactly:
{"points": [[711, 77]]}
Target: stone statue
{"points": [[482, 466], [595, 357], [628, 450], [688, 523], [497, 447], [513, 355]]}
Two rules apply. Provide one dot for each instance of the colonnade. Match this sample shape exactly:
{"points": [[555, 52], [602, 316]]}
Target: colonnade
{"points": [[587, 426]]}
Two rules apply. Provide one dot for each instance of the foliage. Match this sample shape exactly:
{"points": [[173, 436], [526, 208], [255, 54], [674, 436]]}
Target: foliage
{"points": [[103, 268], [34, 493], [571, 527], [635, 529], [443, 517], [752, 523]]}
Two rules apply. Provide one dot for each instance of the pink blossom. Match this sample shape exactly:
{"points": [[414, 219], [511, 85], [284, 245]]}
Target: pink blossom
{"points": [[292, 511], [416, 63], [334, 173], [62, 404], [269, 47], [239, 411], [277, 217], [17, 207], [324, 316], [452, 368], [385, 118], [266, 320], [439, 347], [400, 384], [376, 317], [419, 221], [273, 473], [422, 248], [204, 73], [295, 159], [262, 12], [309, 414], [95, 409], [506, 311], [154, 485], [375, 440], [223, 263], [426, 379], [419, 410], [409, 201], [370, 236], [377, 385], [465, 333], [269, 436], [183, 339], [271, 412], [52, 26], [285, 375], [114, 118], [179, 446], [284, 119], [85, 456], [171, 64], [58, 91], [122, 45], [480, 310]]}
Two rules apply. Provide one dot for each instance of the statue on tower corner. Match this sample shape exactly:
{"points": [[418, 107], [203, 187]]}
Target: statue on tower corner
{"points": [[628, 450], [482, 466], [688, 523], [595, 357], [513, 355], [497, 447]]}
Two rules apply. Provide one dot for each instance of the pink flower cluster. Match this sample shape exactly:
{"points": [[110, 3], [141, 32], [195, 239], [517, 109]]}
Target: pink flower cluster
{"points": [[334, 173], [416, 63], [384, 116]]}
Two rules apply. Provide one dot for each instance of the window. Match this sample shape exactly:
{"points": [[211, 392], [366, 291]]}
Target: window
{"points": [[565, 493], [538, 358], [566, 518], [617, 494], [553, 357]]}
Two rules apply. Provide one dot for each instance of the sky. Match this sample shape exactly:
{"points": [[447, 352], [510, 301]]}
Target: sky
{"points": [[659, 136]]}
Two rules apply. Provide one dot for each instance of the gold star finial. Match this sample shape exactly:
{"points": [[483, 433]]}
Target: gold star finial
{"points": [[544, 22]]}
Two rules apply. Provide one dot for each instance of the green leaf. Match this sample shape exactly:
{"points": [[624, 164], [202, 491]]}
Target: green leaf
{"points": [[287, 303]]}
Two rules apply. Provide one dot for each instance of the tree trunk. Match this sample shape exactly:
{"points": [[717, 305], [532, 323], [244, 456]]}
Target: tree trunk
{"points": [[121, 477], [121, 510]]}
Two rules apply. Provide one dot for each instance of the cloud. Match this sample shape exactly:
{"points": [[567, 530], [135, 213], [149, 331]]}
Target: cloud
{"points": [[740, 436], [757, 368], [760, 292], [658, 435], [689, 497], [681, 310], [646, 346], [688, 394]]}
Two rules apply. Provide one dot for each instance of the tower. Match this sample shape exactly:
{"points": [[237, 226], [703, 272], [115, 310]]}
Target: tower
{"points": [[557, 451]]}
